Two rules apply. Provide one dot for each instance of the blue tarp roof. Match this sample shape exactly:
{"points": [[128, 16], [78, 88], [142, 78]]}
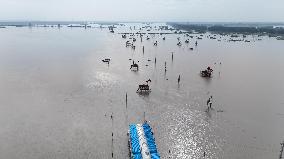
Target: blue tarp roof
{"points": [[134, 139]]}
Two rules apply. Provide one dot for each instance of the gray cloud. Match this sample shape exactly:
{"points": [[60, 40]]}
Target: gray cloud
{"points": [[143, 10]]}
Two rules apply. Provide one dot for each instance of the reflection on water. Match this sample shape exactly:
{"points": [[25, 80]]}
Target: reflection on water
{"points": [[57, 96], [191, 133], [102, 80]]}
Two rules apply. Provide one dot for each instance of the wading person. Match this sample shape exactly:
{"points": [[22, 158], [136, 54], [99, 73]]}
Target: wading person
{"points": [[208, 101]]}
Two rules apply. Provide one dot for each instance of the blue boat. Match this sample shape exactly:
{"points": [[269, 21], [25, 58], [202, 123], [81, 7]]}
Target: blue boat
{"points": [[142, 142]]}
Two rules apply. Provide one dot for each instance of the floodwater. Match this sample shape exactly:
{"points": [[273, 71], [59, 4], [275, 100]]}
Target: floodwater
{"points": [[57, 96]]}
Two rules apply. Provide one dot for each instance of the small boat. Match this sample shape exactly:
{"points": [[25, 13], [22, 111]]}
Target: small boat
{"points": [[280, 38], [128, 43], [156, 43], [206, 73], [144, 87], [234, 36], [106, 60], [134, 67], [133, 47]]}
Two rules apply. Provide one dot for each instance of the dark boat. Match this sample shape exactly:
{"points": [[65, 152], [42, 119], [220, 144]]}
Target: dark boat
{"points": [[106, 60], [206, 73]]}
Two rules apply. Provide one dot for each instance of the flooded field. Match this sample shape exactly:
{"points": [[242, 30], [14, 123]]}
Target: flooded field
{"points": [[57, 96]]}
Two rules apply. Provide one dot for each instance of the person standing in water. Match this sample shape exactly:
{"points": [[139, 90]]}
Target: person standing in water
{"points": [[143, 49], [178, 79], [172, 56], [208, 101]]}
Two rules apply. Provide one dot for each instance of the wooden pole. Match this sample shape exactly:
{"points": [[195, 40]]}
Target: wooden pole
{"points": [[112, 145], [281, 151], [126, 100], [144, 117]]}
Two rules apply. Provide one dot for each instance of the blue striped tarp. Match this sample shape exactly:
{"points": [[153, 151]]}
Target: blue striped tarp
{"points": [[135, 145], [134, 140]]}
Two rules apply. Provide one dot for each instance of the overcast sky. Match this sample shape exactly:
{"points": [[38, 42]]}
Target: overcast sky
{"points": [[144, 10]]}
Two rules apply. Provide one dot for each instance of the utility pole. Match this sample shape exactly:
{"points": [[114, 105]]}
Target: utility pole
{"points": [[112, 147], [281, 151], [126, 100]]}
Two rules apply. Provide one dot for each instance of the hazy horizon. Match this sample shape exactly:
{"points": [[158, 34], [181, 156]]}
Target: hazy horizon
{"points": [[117, 21], [143, 10]]}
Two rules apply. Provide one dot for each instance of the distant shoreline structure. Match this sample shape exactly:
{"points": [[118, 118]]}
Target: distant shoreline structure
{"points": [[38, 22], [270, 29], [42, 23]]}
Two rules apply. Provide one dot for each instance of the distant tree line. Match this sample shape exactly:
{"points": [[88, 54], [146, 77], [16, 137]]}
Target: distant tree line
{"points": [[201, 28], [190, 27]]}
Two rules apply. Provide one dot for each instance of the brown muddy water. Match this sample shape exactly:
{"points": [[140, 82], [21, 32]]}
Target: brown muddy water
{"points": [[57, 96]]}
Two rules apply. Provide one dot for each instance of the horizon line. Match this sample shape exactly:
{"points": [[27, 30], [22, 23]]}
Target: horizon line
{"points": [[140, 21]]}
